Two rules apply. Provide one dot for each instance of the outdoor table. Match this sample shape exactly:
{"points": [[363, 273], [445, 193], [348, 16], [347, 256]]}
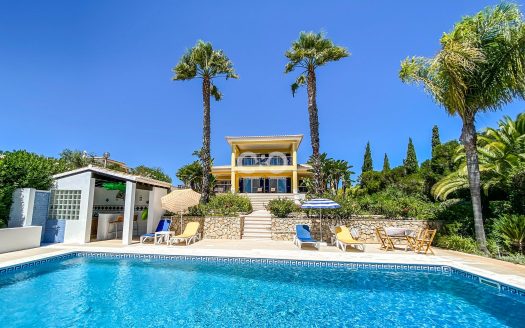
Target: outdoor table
{"points": [[400, 234]]}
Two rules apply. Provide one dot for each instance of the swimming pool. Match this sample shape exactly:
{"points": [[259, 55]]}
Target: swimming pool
{"points": [[101, 290]]}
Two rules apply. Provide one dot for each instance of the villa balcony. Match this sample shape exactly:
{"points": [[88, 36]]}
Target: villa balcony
{"points": [[265, 161]]}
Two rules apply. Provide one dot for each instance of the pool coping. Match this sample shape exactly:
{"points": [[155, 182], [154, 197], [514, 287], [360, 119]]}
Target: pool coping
{"points": [[473, 274]]}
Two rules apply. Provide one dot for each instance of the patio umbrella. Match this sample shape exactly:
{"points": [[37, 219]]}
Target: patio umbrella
{"points": [[320, 204], [179, 201]]}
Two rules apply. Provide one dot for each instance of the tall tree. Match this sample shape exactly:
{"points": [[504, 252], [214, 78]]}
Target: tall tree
{"points": [[74, 159], [151, 172], [203, 62], [410, 163], [386, 164], [367, 160], [307, 53], [435, 138], [501, 156], [480, 67]]}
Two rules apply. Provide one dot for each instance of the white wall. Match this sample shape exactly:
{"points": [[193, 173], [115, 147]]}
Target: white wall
{"points": [[78, 231], [15, 239], [155, 210], [21, 211]]}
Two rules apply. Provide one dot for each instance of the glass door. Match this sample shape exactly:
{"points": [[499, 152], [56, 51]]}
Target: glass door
{"points": [[247, 185], [281, 185], [273, 185]]}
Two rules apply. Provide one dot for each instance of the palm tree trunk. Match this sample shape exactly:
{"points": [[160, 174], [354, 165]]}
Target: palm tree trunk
{"points": [[469, 140], [205, 155], [314, 130]]}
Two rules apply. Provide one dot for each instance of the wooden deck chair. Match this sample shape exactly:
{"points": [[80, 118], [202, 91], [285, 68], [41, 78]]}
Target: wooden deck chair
{"points": [[386, 242], [425, 241]]}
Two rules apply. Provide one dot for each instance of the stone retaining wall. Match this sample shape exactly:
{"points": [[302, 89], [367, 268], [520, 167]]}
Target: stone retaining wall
{"points": [[284, 228], [213, 227]]}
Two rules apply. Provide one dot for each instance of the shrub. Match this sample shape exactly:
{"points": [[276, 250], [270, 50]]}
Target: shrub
{"points": [[393, 203], [458, 243], [514, 258], [199, 210], [459, 211], [517, 192], [511, 229], [281, 207], [227, 204]]}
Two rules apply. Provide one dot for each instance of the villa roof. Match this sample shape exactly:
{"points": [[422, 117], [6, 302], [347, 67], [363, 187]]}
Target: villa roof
{"points": [[287, 137], [115, 174]]}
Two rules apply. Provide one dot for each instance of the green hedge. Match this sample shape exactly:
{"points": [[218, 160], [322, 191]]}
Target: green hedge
{"points": [[223, 205], [281, 207]]}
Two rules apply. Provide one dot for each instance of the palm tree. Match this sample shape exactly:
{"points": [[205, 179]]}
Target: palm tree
{"points": [[203, 62], [480, 67], [501, 155], [307, 53]]}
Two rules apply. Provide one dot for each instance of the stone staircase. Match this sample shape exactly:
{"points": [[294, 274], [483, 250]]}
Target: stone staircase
{"points": [[257, 225]]}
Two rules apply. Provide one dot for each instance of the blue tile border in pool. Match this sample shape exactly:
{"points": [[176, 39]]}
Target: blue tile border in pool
{"points": [[512, 291], [270, 261], [30, 264]]}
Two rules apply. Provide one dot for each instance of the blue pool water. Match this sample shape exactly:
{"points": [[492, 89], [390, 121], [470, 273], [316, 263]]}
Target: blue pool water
{"points": [[105, 292]]}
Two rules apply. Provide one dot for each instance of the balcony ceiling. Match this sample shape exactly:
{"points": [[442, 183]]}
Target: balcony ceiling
{"points": [[265, 146]]}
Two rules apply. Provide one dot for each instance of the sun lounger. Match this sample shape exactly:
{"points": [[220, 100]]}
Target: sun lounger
{"points": [[163, 226], [303, 236], [384, 239], [190, 234], [344, 238]]}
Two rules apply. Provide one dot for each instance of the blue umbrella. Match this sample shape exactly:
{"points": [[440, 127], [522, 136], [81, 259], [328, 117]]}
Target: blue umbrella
{"points": [[320, 204]]}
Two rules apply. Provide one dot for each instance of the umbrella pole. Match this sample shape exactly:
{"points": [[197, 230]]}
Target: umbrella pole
{"points": [[181, 222], [321, 223]]}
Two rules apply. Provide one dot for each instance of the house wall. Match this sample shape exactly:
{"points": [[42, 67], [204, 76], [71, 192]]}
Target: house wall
{"points": [[78, 231]]}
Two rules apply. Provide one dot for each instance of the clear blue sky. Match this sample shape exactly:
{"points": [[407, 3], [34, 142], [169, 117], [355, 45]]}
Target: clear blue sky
{"points": [[96, 76]]}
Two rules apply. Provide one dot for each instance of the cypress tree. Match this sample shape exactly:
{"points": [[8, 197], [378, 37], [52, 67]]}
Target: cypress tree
{"points": [[410, 163], [386, 164], [367, 161], [435, 138]]}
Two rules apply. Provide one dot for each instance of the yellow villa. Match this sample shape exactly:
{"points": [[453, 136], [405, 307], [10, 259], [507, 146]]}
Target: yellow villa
{"points": [[263, 165]]}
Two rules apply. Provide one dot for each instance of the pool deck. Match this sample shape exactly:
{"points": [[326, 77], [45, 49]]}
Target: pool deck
{"points": [[505, 272]]}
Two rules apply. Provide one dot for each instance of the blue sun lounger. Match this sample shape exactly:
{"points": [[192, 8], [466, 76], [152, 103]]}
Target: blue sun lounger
{"points": [[303, 236], [164, 225]]}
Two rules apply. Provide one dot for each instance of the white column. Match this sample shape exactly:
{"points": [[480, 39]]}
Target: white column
{"points": [[129, 211], [21, 213], [155, 210], [89, 210]]}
